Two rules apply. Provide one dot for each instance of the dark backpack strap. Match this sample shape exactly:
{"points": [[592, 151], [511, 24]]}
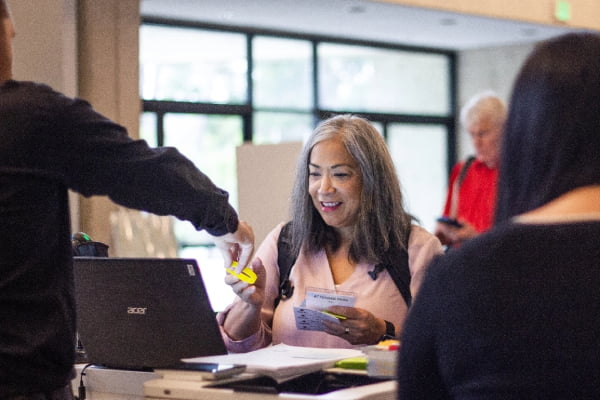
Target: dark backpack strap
{"points": [[398, 268], [400, 273], [285, 260], [464, 169], [395, 261]]}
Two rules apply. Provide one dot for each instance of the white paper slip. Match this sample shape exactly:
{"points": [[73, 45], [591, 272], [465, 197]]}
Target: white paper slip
{"points": [[320, 299], [281, 361], [308, 319], [309, 315]]}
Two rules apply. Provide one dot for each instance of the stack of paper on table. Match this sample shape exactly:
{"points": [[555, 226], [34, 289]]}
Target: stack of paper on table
{"points": [[282, 362]]}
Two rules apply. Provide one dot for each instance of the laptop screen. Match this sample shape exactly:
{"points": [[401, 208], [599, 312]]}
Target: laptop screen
{"points": [[143, 313]]}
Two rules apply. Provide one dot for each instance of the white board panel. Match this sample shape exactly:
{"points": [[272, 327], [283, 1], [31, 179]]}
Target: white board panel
{"points": [[265, 179]]}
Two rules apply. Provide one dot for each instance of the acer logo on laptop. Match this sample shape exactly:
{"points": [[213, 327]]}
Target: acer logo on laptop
{"points": [[136, 310]]}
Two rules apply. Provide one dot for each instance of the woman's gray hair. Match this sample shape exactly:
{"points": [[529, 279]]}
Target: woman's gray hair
{"points": [[382, 224]]}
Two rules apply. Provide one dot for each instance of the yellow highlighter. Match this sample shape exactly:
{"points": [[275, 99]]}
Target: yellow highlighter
{"points": [[338, 316], [247, 275], [353, 363]]}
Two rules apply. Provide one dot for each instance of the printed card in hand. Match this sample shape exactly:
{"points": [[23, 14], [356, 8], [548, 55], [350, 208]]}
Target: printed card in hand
{"points": [[310, 314]]}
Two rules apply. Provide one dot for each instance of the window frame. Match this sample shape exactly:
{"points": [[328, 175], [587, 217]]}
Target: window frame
{"points": [[246, 110]]}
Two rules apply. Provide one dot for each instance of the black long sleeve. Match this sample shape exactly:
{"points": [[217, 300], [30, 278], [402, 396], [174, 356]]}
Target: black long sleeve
{"points": [[50, 143]]}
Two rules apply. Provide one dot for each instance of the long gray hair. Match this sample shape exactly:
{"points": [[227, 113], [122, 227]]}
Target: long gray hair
{"points": [[382, 223]]}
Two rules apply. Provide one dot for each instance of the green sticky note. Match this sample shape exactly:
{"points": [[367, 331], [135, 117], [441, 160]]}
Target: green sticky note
{"points": [[352, 363], [562, 11]]}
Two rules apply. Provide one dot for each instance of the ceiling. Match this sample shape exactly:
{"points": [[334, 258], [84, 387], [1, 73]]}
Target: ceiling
{"points": [[356, 19]]}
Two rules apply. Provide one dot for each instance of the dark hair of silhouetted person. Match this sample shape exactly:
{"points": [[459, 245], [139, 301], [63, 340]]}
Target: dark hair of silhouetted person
{"points": [[551, 143]]}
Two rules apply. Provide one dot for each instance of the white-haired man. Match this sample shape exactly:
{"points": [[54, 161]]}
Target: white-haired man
{"points": [[471, 198]]}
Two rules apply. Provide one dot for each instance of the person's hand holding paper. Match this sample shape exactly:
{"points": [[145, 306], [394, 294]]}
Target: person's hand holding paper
{"points": [[357, 325]]}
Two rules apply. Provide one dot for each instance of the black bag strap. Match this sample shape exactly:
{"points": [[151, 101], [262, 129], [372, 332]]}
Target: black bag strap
{"points": [[398, 270], [464, 169], [285, 260]]}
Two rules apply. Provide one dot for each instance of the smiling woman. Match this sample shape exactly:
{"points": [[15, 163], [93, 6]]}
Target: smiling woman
{"points": [[352, 235], [335, 184]]}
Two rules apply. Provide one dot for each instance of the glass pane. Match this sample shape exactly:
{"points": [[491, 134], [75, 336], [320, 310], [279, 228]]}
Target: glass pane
{"points": [[187, 64], [210, 142], [274, 127], [420, 154], [148, 128], [282, 73], [358, 78]]}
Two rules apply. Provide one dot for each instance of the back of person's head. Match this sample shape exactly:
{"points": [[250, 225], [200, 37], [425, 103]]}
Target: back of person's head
{"points": [[381, 213], [551, 143], [483, 106]]}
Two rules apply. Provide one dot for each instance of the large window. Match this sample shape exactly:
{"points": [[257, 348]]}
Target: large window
{"points": [[360, 78], [184, 64], [420, 155], [282, 89], [207, 90]]}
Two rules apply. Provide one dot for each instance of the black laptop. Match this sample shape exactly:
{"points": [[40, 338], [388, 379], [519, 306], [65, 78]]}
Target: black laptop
{"points": [[143, 313]]}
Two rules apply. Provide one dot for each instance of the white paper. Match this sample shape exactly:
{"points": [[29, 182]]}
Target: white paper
{"points": [[282, 361], [308, 319], [309, 315], [320, 299]]}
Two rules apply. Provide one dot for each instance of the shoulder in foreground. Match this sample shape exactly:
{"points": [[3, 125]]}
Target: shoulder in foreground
{"points": [[486, 244]]}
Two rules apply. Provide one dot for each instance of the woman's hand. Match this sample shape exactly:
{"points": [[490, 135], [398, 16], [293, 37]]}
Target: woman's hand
{"points": [[243, 319], [253, 294], [359, 327]]}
